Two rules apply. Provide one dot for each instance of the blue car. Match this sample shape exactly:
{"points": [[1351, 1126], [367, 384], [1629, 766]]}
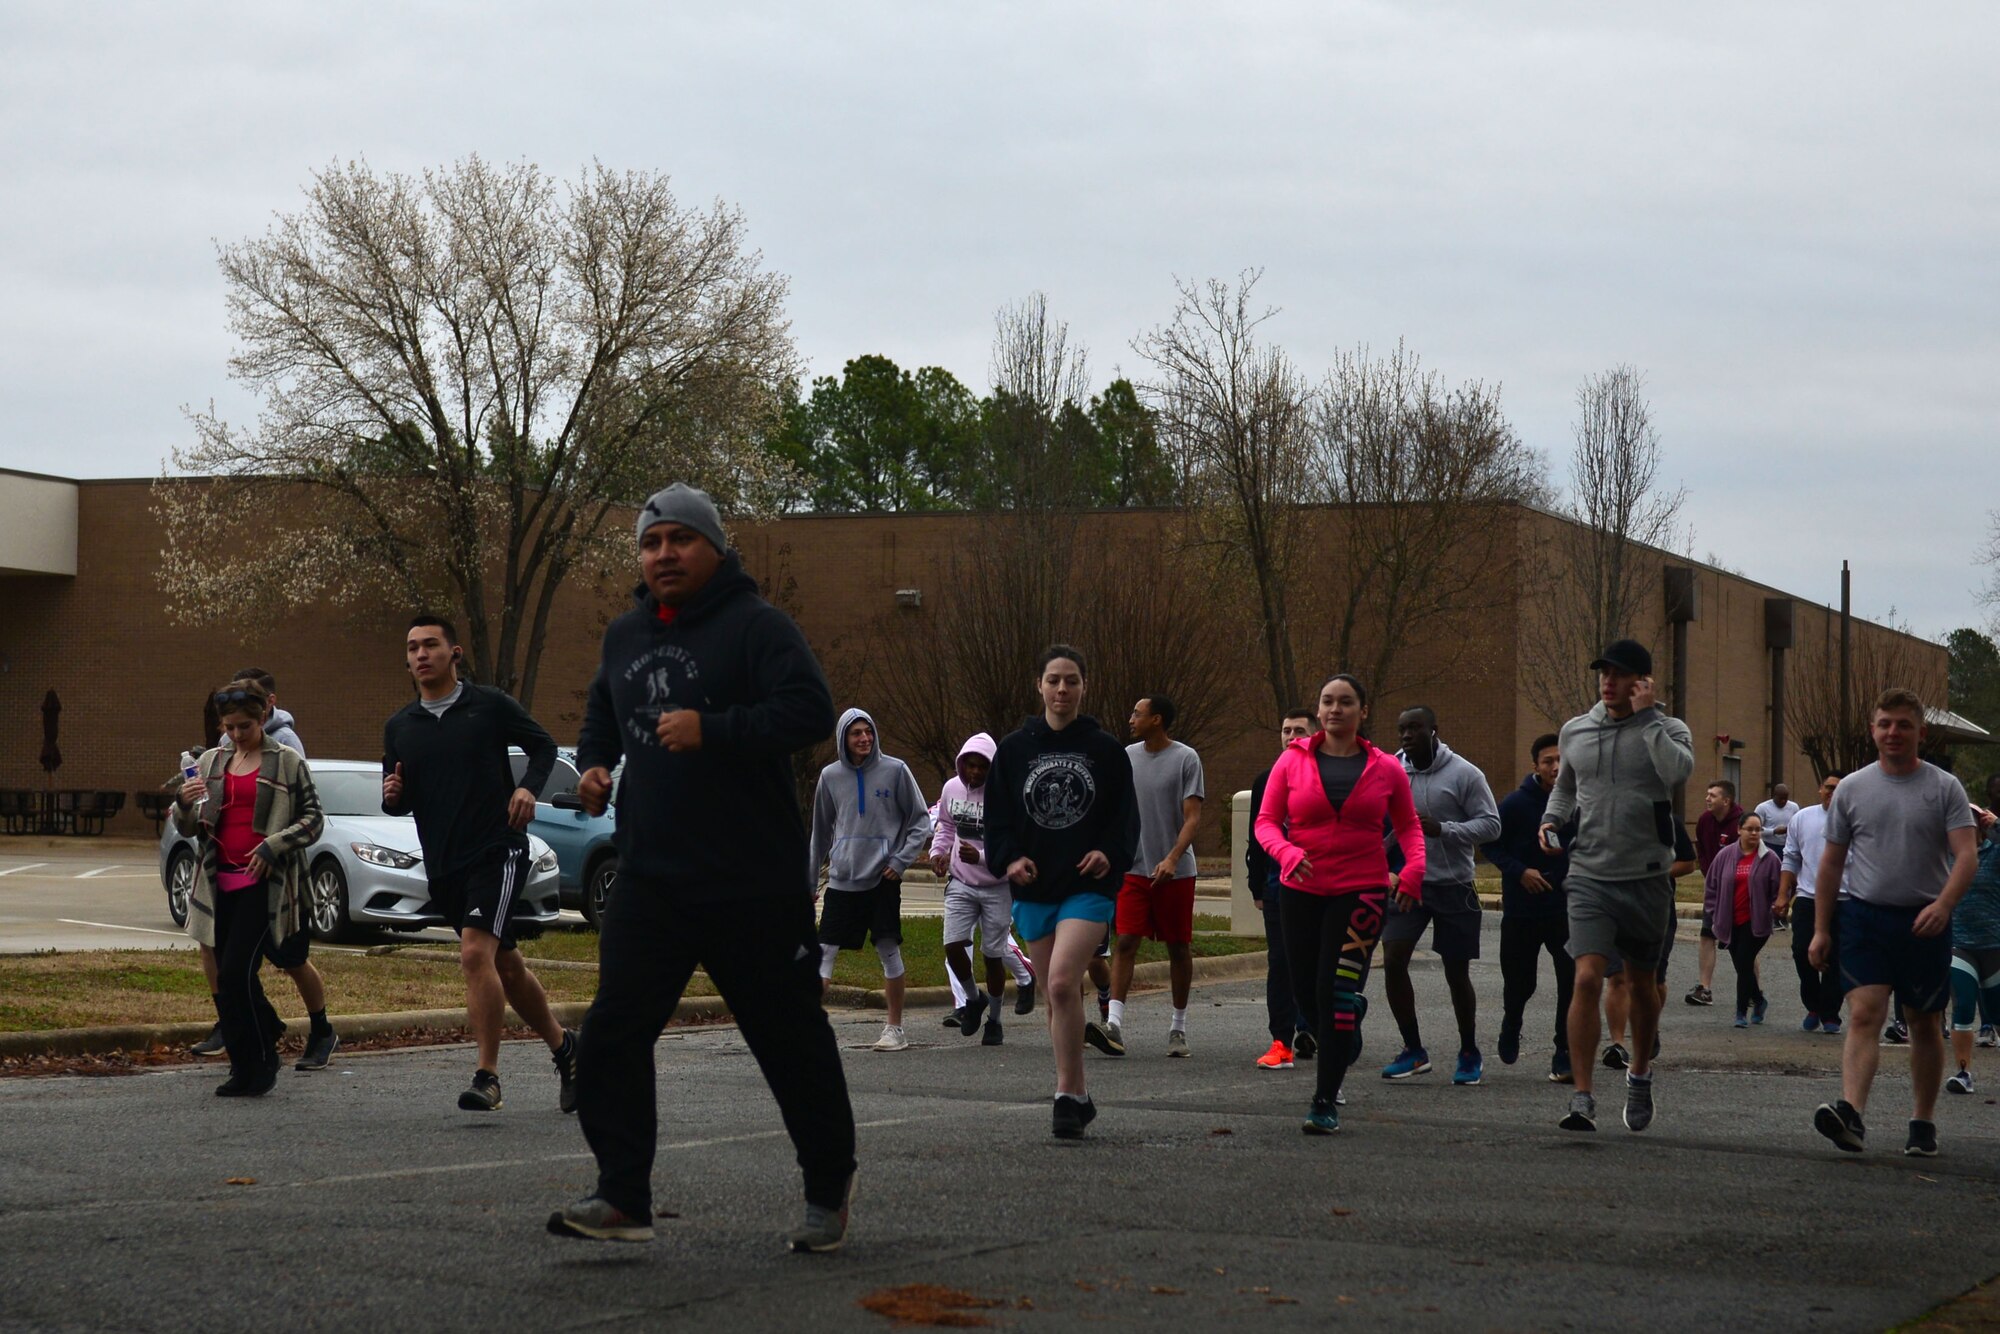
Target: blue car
{"points": [[582, 843]]}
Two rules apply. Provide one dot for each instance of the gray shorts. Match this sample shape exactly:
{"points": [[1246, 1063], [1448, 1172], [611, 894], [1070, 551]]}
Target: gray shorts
{"points": [[1626, 921], [989, 910], [1451, 912]]}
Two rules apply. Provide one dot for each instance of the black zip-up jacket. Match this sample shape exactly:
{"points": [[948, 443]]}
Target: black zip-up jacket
{"points": [[1055, 796], [1519, 848], [721, 822], [457, 779]]}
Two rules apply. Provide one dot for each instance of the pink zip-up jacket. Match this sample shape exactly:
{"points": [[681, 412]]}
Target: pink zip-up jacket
{"points": [[1297, 822]]}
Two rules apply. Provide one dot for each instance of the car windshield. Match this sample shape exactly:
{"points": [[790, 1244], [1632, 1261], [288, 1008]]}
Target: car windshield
{"points": [[349, 793]]}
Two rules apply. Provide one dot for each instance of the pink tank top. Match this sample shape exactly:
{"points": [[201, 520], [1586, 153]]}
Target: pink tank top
{"points": [[235, 835]]}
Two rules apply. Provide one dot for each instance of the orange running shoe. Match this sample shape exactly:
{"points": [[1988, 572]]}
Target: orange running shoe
{"points": [[1278, 1058]]}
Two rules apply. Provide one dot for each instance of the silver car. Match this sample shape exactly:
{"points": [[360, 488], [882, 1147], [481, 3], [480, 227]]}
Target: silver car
{"points": [[366, 868]]}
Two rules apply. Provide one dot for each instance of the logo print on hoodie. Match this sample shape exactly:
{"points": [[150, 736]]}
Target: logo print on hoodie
{"points": [[1059, 790], [668, 672]]}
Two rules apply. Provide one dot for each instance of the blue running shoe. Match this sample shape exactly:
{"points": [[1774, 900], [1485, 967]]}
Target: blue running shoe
{"points": [[1758, 1009], [1809, 1024], [1409, 1061], [1471, 1066], [1830, 1027], [1742, 1020], [1323, 1119]]}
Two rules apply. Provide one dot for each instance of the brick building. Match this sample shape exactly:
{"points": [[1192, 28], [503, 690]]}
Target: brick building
{"points": [[82, 613]]}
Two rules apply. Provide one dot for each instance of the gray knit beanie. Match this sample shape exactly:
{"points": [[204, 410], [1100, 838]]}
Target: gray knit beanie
{"points": [[682, 504]]}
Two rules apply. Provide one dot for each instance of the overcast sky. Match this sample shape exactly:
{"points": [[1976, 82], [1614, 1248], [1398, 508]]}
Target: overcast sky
{"points": [[1787, 215]]}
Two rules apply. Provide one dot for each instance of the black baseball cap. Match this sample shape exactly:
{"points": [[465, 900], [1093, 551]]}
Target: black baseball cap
{"points": [[1625, 655]]}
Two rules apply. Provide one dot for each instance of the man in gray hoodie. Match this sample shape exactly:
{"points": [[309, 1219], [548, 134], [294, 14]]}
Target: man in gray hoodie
{"points": [[1620, 765], [1456, 808], [870, 822]]}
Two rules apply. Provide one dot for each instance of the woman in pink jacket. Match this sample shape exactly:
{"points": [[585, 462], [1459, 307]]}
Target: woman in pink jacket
{"points": [[1325, 805]]}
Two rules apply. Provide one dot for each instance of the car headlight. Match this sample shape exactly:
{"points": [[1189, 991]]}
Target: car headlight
{"points": [[547, 861], [376, 855]]}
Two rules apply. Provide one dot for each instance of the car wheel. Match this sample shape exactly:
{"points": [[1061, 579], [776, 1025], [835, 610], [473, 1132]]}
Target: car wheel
{"points": [[180, 884], [327, 906], [597, 887]]}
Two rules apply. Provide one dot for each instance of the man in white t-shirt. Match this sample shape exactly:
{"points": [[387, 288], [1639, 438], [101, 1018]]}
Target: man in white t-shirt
{"points": [[1777, 813], [1819, 988], [1901, 842]]}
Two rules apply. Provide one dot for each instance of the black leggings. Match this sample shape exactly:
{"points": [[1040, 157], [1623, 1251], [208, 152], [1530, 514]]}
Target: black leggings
{"points": [[249, 1024], [1330, 941], [1522, 940], [1743, 951]]}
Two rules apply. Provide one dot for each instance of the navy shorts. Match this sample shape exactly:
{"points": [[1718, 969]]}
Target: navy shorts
{"points": [[1451, 912], [1878, 948]]}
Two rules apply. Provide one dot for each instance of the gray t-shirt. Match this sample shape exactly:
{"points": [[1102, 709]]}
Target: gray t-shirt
{"points": [[436, 707], [1161, 781], [1897, 832]]}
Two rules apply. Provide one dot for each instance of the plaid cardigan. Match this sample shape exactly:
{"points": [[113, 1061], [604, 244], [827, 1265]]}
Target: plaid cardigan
{"points": [[289, 818]]}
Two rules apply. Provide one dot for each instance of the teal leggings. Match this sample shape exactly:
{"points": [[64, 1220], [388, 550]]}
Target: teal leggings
{"points": [[1975, 984]]}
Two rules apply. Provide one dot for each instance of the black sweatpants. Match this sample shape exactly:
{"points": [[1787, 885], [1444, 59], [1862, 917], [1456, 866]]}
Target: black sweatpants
{"points": [[1281, 1005], [249, 1024], [1819, 989], [1330, 939], [1522, 941], [763, 956], [1743, 951]]}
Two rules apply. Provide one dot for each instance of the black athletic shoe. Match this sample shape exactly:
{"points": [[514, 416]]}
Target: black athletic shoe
{"points": [[565, 1063], [1923, 1140], [1304, 1045], [1072, 1115], [484, 1095], [1897, 1034], [951, 1018], [1582, 1114], [212, 1045], [1024, 998], [1616, 1057], [1839, 1122], [992, 1036], [249, 1083], [319, 1050], [974, 1011], [593, 1219], [1510, 1043]]}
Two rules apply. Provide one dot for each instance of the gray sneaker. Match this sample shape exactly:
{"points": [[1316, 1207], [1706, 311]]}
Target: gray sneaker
{"points": [[212, 1045], [1582, 1113], [593, 1219], [1176, 1042], [824, 1229], [1638, 1103], [1107, 1037]]}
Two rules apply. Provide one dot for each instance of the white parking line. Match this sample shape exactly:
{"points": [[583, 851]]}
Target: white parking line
{"points": [[113, 926], [92, 874], [29, 867]]}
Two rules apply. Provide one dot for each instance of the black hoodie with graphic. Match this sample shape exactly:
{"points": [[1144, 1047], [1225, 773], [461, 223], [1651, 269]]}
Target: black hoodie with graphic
{"points": [[723, 821], [1055, 796]]}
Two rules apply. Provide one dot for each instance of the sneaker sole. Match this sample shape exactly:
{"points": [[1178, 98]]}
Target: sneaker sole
{"points": [[1407, 1074], [1178, 1052], [1459, 1082], [1919, 1151], [1555, 1078], [1098, 1038], [1274, 1065], [900, 1046], [1309, 1128], [1951, 1087], [560, 1226], [467, 1104], [1577, 1121], [1828, 1123]]}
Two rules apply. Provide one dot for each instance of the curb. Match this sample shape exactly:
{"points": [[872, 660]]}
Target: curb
{"points": [[143, 1037]]}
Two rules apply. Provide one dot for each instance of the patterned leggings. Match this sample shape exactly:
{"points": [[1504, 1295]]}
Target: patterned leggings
{"points": [[1330, 943]]}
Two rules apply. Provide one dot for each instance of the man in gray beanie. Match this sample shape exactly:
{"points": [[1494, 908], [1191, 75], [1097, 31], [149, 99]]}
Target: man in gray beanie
{"points": [[705, 691]]}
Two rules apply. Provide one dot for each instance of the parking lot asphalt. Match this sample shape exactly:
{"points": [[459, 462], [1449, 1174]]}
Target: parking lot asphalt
{"points": [[364, 1199]]}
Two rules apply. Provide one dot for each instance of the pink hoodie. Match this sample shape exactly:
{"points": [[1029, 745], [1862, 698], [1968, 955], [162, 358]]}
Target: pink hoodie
{"points": [[1297, 823], [961, 821]]}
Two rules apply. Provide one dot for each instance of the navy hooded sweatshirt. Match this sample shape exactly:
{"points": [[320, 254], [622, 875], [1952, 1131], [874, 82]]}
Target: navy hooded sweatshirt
{"points": [[721, 822], [1519, 848], [1054, 797]]}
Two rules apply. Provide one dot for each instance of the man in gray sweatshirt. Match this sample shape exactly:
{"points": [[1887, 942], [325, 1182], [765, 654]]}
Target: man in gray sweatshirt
{"points": [[1456, 808], [1620, 765], [870, 822]]}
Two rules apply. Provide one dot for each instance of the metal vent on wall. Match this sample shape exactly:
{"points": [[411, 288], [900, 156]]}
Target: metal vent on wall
{"points": [[909, 597]]}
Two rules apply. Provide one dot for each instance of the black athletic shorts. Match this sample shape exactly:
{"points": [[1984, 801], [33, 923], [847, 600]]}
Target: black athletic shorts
{"points": [[292, 951], [485, 895], [848, 917]]}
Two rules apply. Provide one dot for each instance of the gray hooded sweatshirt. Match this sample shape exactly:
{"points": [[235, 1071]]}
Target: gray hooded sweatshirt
{"points": [[1452, 791], [1618, 777], [868, 816]]}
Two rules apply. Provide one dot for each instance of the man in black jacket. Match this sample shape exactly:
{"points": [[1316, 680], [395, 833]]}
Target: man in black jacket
{"points": [[1290, 1037], [705, 690], [1534, 912], [444, 760]]}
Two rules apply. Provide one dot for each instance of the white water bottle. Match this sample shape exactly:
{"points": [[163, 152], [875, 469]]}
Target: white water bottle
{"points": [[191, 770]]}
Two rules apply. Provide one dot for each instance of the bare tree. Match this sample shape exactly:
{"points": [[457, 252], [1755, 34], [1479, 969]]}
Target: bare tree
{"points": [[1593, 578], [1236, 416], [1040, 379], [462, 377], [1417, 466], [1879, 658]]}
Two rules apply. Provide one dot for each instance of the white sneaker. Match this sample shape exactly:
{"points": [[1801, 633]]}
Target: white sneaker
{"points": [[892, 1039]]}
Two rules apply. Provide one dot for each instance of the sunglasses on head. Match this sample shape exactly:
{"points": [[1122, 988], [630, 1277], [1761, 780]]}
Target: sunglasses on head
{"points": [[223, 697]]}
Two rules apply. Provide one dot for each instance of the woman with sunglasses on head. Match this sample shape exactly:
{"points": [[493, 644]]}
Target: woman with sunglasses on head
{"points": [[253, 811]]}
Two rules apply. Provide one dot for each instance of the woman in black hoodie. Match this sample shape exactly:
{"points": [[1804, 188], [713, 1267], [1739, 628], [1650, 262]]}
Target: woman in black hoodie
{"points": [[1061, 820]]}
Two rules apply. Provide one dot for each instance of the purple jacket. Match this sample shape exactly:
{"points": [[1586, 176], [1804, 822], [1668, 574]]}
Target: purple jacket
{"points": [[1719, 899]]}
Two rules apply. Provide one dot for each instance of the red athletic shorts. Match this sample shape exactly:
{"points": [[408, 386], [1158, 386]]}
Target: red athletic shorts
{"points": [[1164, 911]]}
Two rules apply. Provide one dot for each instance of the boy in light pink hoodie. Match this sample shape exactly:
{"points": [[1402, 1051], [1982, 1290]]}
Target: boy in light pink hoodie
{"points": [[975, 896]]}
